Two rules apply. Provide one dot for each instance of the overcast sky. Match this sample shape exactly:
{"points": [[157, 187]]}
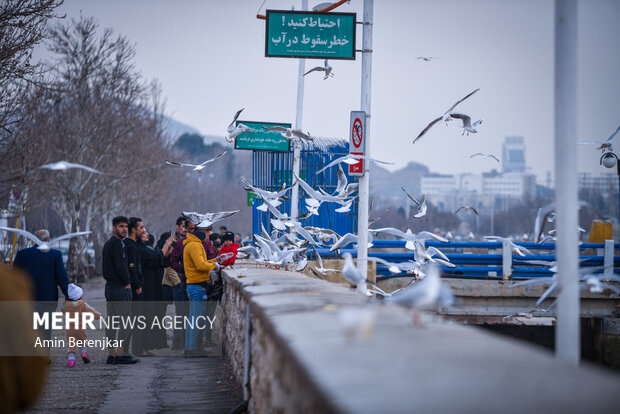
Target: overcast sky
{"points": [[209, 59]]}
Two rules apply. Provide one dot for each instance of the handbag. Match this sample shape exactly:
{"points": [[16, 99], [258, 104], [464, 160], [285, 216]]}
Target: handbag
{"points": [[171, 278]]}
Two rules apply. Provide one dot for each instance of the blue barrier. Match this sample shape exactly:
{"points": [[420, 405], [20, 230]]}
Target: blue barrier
{"points": [[474, 265]]}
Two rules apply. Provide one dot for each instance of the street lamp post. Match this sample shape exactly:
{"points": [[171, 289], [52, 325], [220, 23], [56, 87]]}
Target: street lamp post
{"points": [[609, 159]]}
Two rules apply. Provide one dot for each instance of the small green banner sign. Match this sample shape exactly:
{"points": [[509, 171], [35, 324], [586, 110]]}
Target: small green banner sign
{"points": [[250, 198], [310, 35], [261, 139]]}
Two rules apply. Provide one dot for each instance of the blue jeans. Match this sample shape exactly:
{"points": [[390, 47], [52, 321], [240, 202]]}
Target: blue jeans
{"points": [[179, 296], [197, 301]]}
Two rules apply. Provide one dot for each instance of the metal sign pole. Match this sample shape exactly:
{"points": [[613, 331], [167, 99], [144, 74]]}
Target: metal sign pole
{"points": [[567, 335], [298, 117], [364, 181]]}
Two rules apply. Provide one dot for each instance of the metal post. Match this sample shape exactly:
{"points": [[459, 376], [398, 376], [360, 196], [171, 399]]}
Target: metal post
{"points": [[364, 188], [506, 261], [608, 259], [298, 117], [618, 170], [14, 240], [567, 337]]}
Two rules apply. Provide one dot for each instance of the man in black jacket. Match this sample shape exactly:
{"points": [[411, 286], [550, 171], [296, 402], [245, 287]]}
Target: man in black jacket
{"points": [[117, 289], [134, 262]]}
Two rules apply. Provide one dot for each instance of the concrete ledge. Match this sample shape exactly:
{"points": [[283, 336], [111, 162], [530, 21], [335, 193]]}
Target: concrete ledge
{"points": [[320, 347]]}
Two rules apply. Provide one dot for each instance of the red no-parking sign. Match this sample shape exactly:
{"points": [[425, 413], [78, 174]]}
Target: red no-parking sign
{"points": [[357, 143]]}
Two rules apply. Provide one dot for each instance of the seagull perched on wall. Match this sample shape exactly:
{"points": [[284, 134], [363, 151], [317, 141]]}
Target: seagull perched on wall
{"points": [[197, 168], [44, 246], [467, 125], [445, 117], [325, 68], [350, 272], [290, 133], [232, 131], [429, 293], [207, 219], [64, 165], [604, 145], [485, 156]]}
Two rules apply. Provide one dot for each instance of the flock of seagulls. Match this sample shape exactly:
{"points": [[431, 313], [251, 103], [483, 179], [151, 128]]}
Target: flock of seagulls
{"points": [[290, 242]]}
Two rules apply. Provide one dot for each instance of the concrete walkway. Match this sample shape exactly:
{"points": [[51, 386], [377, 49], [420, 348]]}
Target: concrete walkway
{"points": [[165, 383]]}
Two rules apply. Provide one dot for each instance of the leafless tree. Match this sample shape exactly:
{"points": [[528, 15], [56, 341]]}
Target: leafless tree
{"points": [[100, 112], [22, 26]]}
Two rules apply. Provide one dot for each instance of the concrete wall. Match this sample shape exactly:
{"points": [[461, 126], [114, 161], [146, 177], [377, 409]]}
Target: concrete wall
{"points": [[321, 347]]}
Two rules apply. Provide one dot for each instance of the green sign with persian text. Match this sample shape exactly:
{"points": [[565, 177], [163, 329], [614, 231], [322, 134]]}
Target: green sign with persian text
{"points": [[310, 35], [261, 139]]}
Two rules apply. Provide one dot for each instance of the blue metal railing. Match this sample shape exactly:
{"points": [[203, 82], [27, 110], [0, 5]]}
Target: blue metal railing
{"points": [[476, 265]]}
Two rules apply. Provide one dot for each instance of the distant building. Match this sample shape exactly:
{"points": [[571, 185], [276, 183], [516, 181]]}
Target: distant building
{"points": [[513, 155], [491, 191], [603, 182]]}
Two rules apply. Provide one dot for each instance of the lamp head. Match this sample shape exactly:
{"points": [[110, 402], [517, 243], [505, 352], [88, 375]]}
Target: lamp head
{"points": [[609, 160]]}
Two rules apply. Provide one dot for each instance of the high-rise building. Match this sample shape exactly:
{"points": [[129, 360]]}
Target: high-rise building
{"points": [[513, 155]]}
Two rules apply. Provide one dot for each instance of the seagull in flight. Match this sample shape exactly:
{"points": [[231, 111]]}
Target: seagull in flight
{"points": [[290, 133], [426, 58], [43, 245], [467, 125], [326, 68], [198, 167], [409, 236], [64, 165], [485, 156], [445, 117], [233, 130], [207, 219], [421, 206], [465, 208], [351, 159], [519, 250], [348, 239], [604, 145]]}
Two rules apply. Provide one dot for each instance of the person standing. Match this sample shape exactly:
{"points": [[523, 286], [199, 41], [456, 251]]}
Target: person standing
{"points": [[197, 275], [154, 306], [47, 273], [118, 289], [173, 252], [134, 265]]}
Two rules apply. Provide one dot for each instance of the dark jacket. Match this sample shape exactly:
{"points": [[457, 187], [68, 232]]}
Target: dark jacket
{"points": [[134, 263], [46, 270], [152, 271], [114, 262]]}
